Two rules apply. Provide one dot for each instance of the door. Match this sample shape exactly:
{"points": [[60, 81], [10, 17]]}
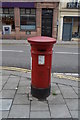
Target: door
{"points": [[47, 18], [67, 31]]}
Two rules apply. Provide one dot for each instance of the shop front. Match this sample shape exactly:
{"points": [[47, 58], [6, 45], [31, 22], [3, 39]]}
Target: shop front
{"points": [[24, 19], [69, 21], [71, 28]]}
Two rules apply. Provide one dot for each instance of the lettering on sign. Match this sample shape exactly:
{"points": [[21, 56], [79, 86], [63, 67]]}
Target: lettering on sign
{"points": [[41, 60]]}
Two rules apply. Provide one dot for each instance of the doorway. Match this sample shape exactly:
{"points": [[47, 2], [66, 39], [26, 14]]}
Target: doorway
{"points": [[47, 21], [67, 31]]}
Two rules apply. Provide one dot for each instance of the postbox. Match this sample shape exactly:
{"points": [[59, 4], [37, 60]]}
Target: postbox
{"points": [[41, 53]]}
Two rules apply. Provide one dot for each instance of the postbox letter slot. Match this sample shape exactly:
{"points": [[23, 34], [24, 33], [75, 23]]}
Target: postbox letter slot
{"points": [[41, 50]]}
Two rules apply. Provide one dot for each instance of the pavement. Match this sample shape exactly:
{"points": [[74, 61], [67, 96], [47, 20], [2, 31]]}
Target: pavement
{"points": [[26, 42], [16, 100]]}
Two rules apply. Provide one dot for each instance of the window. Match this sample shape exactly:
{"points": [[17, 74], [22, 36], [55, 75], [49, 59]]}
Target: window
{"points": [[28, 11], [76, 27], [11, 11], [75, 23], [22, 11], [75, 0], [67, 20], [28, 19], [5, 11], [1, 10], [7, 17]]}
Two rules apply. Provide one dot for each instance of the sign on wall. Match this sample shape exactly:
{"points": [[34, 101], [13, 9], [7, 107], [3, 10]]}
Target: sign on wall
{"points": [[7, 29]]}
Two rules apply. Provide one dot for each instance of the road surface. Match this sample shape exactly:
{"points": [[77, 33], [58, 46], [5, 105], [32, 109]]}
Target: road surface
{"points": [[64, 60]]}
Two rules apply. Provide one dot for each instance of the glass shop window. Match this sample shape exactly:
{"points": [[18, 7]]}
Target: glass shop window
{"points": [[76, 27], [8, 17], [28, 19]]}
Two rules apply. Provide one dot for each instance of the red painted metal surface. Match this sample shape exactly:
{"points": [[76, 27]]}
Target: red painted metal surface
{"points": [[42, 39], [41, 52]]}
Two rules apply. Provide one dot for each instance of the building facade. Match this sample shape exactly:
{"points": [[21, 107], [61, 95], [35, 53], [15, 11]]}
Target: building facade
{"points": [[22, 19], [69, 20]]}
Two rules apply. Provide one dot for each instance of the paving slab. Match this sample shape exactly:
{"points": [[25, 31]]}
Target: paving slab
{"points": [[74, 114], [21, 99], [6, 72], [39, 106], [0, 115], [1, 94], [12, 82], [19, 111], [0, 88], [59, 111], [72, 104], [31, 98], [79, 104], [76, 89], [62, 103], [5, 104], [7, 93], [55, 99], [55, 89], [23, 90], [79, 93], [79, 83], [5, 114], [40, 114], [28, 75], [24, 82], [68, 91], [13, 79], [0, 74], [10, 86], [66, 82], [5, 78], [0, 81], [16, 73], [79, 114], [3, 83]]}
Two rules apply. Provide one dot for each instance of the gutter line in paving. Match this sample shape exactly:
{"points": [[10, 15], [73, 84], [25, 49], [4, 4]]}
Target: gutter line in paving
{"points": [[69, 76], [65, 102], [13, 98]]}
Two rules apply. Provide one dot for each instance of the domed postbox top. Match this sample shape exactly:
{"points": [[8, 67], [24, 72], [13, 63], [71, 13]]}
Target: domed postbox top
{"points": [[41, 39]]}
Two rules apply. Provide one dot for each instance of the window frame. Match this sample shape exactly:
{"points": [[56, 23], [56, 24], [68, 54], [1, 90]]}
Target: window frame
{"points": [[73, 22], [10, 15], [26, 16]]}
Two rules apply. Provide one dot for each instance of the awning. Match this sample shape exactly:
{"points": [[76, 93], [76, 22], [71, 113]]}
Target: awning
{"points": [[18, 4]]}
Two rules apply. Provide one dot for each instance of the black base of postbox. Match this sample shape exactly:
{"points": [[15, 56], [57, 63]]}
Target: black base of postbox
{"points": [[40, 93]]}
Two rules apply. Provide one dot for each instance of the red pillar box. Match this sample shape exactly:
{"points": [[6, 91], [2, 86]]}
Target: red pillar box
{"points": [[41, 52]]}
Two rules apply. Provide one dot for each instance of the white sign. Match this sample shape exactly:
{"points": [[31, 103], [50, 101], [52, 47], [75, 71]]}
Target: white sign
{"points": [[41, 60], [7, 29]]}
